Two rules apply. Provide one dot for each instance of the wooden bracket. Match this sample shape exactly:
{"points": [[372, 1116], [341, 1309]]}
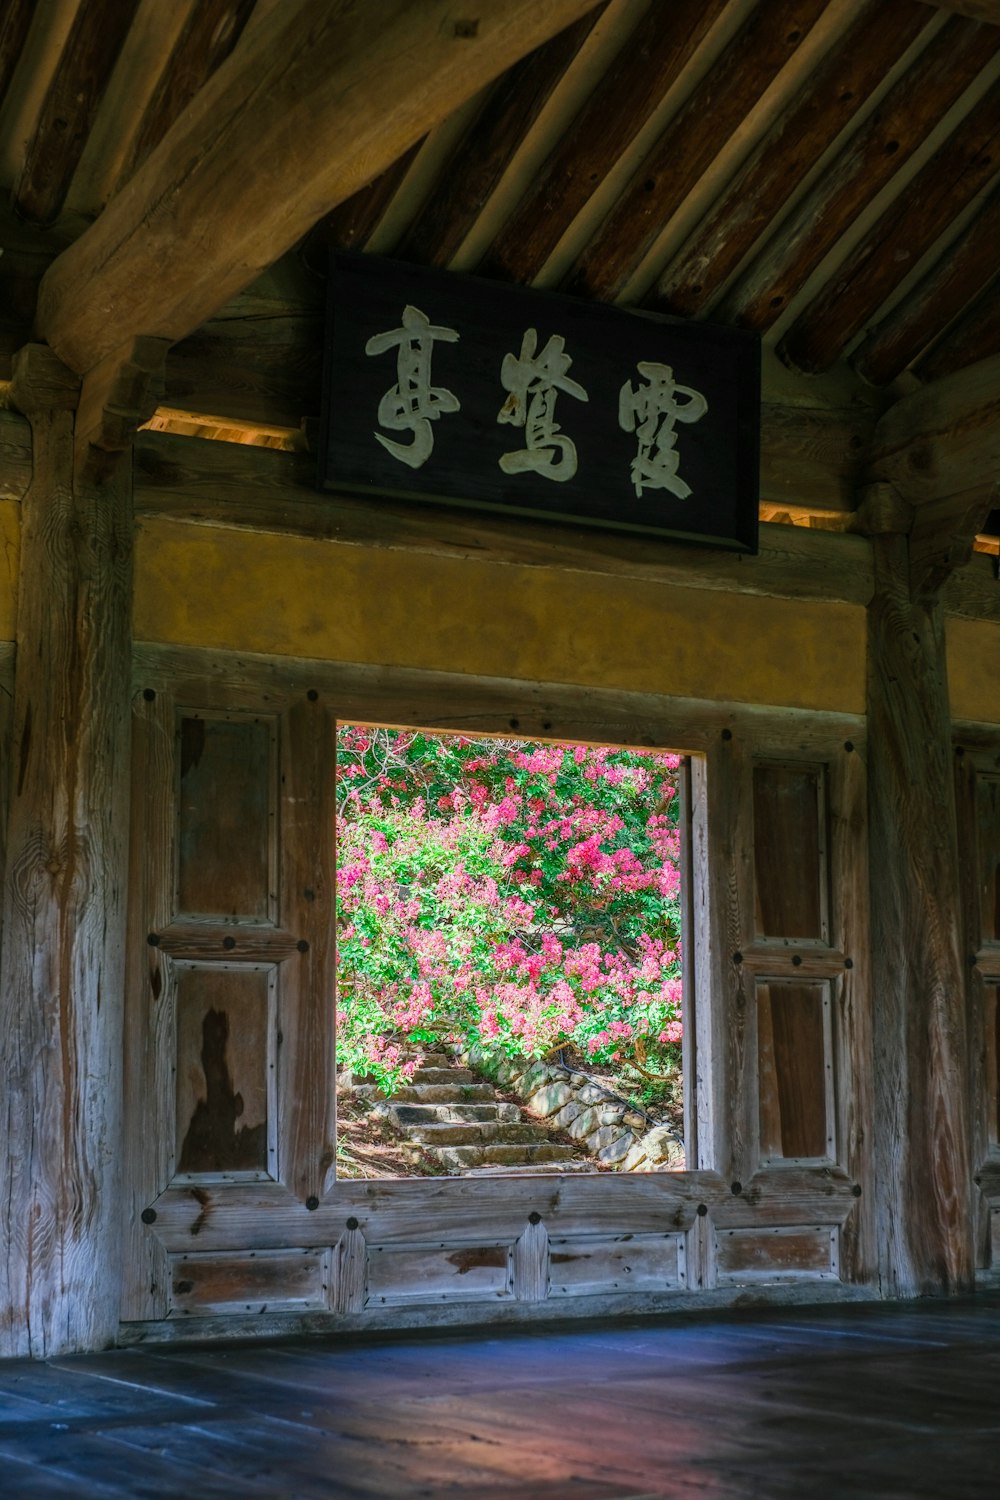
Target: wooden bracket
{"points": [[943, 536], [41, 382], [882, 511], [119, 394]]}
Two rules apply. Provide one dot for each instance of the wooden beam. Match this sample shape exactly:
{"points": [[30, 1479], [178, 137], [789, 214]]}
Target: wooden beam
{"points": [[828, 100], [351, 222], [943, 537], [974, 337], [15, 455], [956, 174], [478, 160], [62, 967], [188, 479], [690, 143], [947, 288], [944, 440], [871, 156], [921, 1136], [635, 83], [14, 23], [979, 10], [71, 105], [206, 40], [316, 103], [118, 395]]}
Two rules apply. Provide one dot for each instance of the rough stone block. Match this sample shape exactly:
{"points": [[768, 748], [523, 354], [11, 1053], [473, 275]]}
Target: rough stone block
{"points": [[549, 1098], [584, 1125], [618, 1148], [565, 1117], [605, 1135]]}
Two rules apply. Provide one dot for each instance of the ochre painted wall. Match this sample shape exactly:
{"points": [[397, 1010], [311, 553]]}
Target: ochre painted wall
{"points": [[974, 669], [289, 596], [10, 546]]}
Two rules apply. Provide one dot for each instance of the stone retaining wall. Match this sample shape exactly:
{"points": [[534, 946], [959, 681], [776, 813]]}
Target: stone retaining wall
{"points": [[567, 1100]]}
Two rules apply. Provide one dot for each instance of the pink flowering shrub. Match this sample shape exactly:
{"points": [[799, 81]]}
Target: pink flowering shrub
{"points": [[521, 896]]}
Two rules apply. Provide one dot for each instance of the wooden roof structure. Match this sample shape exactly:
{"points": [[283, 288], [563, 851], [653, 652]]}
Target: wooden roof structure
{"points": [[825, 172]]}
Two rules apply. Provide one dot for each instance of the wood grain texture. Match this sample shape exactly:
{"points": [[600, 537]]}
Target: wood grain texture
{"points": [[349, 225], [921, 1140], [870, 157], [197, 224], [836, 90], [954, 282], [956, 174], [627, 95], [70, 107], [182, 478], [62, 971], [795, 1068], [972, 338], [690, 143], [206, 40], [15, 455], [530, 1267], [943, 441], [484, 151], [789, 842], [14, 25]]}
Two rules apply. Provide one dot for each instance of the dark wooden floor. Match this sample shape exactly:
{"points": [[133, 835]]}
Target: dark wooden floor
{"points": [[820, 1403]]}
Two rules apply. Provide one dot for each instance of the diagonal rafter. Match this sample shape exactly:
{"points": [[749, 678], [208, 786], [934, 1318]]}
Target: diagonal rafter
{"points": [[951, 284], [956, 173], [690, 143], [975, 336], [873, 155], [316, 103], [70, 107], [629, 93], [824, 105]]}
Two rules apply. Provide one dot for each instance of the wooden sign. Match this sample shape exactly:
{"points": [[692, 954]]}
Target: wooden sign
{"points": [[445, 387]]}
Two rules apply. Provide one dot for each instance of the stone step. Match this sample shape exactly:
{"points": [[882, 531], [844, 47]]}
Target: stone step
{"points": [[427, 1074], [476, 1133], [586, 1164], [460, 1158], [444, 1114], [444, 1093]]}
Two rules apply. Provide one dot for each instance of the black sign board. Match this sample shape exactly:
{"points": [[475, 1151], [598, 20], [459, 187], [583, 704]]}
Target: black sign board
{"points": [[445, 387]]}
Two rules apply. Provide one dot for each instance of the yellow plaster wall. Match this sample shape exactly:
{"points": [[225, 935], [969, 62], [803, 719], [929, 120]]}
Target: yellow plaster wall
{"points": [[973, 648], [290, 596]]}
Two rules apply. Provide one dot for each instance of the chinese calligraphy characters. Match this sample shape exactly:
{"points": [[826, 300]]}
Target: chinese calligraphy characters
{"points": [[534, 382], [652, 412], [413, 403]]}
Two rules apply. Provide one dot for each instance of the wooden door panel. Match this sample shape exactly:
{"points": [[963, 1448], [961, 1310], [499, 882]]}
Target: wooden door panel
{"points": [[226, 846], [789, 848], [225, 1106], [795, 1071]]}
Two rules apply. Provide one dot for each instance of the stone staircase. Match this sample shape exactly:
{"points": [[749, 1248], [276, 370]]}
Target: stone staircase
{"points": [[453, 1116]]}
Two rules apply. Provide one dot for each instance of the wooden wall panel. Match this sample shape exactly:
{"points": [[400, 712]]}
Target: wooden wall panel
{"points": [[795, 1071], [268, 1280], [404, 1275], [225, 816], [225, 1068], [988, 827], [595, 1264], [789, 820], [784, 1253], [991, 1063]]}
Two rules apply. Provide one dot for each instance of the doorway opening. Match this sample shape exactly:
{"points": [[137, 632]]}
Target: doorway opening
{"points": [[511, 986]]}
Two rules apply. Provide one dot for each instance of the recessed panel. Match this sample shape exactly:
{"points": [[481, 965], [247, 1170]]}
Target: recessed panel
{"points": [[789, 851], [223, 1068], [591, 1264], [988, 834], [787, 1253], [248, 1281], [991, 1061], [224, 816], [793, 1063], [438, 1273]]}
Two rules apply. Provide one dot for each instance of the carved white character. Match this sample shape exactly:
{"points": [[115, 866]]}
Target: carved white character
{"points": [[651, 412], [413, 403], [534, 382]]}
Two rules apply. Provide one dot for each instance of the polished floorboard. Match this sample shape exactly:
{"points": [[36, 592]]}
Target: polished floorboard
{"points": [[859, 1401]]}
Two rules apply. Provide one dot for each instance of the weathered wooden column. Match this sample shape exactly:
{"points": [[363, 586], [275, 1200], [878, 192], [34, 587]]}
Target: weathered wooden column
{"points": [[921, 1147], [935, 463], [62, 967]]}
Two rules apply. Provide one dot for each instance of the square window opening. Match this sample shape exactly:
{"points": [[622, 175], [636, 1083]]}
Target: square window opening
{"points": [[513, 956]]}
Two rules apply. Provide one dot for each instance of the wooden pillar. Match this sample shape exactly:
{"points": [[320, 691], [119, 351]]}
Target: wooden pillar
{"points": [[62, 967], [921, 1146]]}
